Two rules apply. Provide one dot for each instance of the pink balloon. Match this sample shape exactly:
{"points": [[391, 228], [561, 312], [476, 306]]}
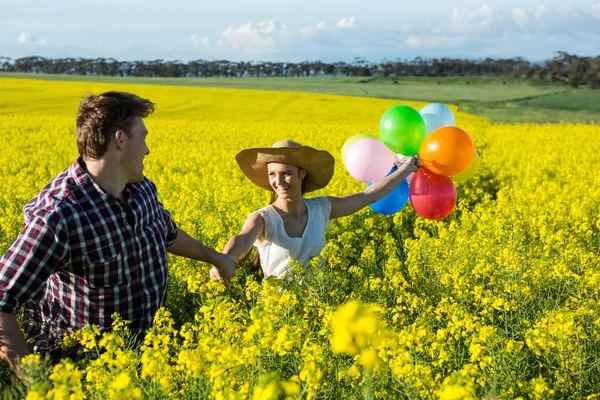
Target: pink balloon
{"points": [[368, 160]]}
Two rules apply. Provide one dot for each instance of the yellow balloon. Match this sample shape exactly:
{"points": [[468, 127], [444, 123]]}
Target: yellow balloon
{"points": [[469, 171]]}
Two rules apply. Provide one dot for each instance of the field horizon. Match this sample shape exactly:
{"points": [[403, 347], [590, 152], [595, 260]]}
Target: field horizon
{"points": [[501, 99]]}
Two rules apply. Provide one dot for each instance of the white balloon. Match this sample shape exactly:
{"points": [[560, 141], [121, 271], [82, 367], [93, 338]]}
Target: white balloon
{"points": [[436, 116]]}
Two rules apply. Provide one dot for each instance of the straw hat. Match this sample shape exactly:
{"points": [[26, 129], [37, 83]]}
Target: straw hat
{"points": [[318, 164]]}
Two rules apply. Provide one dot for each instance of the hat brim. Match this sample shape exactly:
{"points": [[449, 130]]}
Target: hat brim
{"points": [[318, 164]]}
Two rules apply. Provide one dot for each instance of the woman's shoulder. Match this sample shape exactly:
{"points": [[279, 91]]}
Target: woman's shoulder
{"points": [[256, 217], [319, 200], [322, 203], [265, 211]]}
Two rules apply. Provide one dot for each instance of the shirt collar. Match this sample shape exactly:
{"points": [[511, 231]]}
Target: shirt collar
{"points": [[83, 179]]}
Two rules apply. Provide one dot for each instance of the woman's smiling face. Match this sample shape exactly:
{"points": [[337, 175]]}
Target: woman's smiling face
{"points": [[285, 179]]}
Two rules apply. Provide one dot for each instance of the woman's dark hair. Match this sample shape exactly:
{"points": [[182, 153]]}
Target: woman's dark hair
{"points": [[255, 262], [99, 117]]}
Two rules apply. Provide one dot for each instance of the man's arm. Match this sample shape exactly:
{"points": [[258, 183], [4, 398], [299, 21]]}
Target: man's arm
{"points": [[39, 251], [186, 246], [12, 341]]}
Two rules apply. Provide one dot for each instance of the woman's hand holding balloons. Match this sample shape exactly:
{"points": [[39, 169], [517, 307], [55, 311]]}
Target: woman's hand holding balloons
{"points": [[410, 163], [446, 154]]}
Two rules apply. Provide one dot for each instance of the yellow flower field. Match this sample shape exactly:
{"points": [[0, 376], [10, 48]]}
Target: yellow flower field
{"points": [[499, 300]]}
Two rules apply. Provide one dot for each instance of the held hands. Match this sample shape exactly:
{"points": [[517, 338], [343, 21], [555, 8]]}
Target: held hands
{"points": [[224, 269], [408, 163]]}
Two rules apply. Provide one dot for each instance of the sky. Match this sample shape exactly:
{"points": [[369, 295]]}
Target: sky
{"points": [[325, 30]]}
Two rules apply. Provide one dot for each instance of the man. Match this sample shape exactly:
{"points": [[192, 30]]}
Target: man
{"points": [[95, 239]]}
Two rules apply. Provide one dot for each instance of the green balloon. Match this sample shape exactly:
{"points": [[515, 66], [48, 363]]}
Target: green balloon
{"points": [[402, 129], [354, 139]]}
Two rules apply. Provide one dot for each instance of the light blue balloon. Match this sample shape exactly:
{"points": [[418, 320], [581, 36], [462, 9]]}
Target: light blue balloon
{"points": [[436, 116], [394, 201]]}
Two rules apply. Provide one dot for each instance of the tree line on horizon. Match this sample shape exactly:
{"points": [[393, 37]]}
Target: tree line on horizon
{"points": [[562, 68]]}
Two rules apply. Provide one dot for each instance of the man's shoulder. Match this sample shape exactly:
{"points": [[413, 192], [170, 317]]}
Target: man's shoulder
{"points": [[146, 187], [56, 197]]}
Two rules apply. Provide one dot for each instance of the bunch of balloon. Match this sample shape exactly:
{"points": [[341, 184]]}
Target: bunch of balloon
{"points": [[402, 130], [447, 155]]}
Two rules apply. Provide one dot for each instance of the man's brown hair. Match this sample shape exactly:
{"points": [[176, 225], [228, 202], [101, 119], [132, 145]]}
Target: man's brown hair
{"points": [[99, 117]]}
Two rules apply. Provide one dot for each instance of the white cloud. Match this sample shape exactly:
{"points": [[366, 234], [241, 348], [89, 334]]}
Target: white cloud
{"points": [[565, 20], [26, 38], [311, 30], [263, 37], [200, 41], [321, 26], [472, 19], [464, 32], [520, 16], [346, 23], [268, 26]]}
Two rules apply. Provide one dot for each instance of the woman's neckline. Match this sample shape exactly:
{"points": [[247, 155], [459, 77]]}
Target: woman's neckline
{"points": [[283, 223]]}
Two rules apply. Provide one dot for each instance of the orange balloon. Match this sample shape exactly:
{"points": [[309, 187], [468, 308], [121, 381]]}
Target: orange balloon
{"points": [[447, 151]]}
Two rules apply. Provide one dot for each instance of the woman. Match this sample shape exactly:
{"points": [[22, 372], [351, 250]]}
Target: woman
{"points": [[292, 227]]}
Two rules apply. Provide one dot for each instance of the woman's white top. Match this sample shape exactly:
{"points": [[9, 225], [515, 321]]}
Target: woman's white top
{"points": [[277, 249]]}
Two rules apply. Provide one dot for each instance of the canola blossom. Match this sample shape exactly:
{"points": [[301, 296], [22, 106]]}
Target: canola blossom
{"points": [[499, 300]]}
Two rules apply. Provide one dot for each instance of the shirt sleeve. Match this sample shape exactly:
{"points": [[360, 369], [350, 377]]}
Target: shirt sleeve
{"points": [[326, 210], [170, 226], [40, 250]]}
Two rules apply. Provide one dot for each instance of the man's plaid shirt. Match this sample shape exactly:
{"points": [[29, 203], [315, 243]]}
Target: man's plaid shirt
{"points": [[83, 255]]}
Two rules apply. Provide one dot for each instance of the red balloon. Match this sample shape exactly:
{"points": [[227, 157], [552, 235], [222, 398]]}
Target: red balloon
{"points": [[432, 196]]}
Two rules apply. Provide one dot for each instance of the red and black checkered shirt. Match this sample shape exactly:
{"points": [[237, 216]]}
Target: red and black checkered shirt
{"points": [[83, 255]]}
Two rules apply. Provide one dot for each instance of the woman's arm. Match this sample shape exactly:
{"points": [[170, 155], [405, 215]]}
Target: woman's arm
{"points": [[349, 204], [239, 245]]}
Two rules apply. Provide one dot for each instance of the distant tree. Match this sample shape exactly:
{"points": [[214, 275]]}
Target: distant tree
{"points": [[593, 74], [578, 69], [562, 68]]}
